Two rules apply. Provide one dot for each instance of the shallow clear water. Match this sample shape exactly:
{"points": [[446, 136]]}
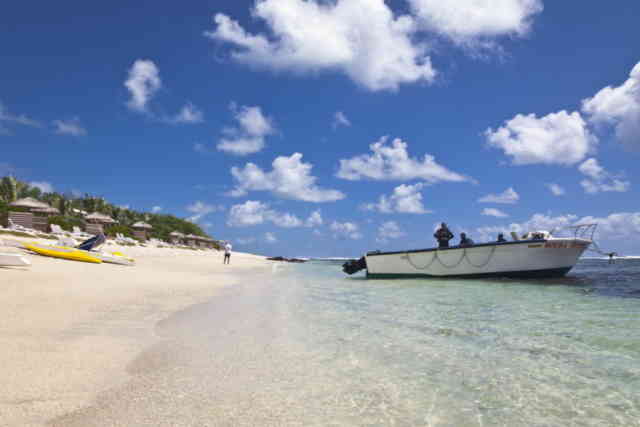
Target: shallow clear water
{"points": [[308, 346]]}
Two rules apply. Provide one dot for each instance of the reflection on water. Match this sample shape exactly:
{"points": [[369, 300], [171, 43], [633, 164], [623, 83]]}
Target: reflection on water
{"points": [[307, 346]]}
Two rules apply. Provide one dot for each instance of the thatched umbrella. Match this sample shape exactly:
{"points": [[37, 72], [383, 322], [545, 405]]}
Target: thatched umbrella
{"points": [[99, 218], [143, 225], [30, 203]]}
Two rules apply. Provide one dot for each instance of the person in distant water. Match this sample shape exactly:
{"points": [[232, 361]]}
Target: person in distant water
{"points": [[443, 235], [611, 255], [227, 253], [501, 238], [464, 240]]}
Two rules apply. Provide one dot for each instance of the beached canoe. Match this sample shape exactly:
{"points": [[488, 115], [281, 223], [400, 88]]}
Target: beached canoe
{"points": [[113, 257], [13, 260], [63, 252]]}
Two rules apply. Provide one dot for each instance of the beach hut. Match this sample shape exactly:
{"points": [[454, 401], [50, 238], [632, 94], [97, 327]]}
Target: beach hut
{"points": [[190, 240], [96, 222], [141, 230], [36, 218], [176, 237]]}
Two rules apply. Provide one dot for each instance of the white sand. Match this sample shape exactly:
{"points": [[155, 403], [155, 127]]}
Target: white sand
{"points": [[69, 329]]}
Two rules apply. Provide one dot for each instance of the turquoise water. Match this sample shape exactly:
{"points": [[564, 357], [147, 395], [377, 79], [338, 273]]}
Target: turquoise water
{"points": [[307, 346]]}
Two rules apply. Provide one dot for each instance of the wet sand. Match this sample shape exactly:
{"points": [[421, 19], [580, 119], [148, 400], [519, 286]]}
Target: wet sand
{"points": [[69, 330]]}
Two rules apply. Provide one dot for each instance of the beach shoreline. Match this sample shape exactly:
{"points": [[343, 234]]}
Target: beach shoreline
{"points": [[69, 330]]}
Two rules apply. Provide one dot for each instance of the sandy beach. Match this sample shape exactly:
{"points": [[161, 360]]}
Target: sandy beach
{"points": [[69, 329]]}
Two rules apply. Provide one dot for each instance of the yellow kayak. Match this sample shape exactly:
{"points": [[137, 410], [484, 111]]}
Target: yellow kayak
{"points": [[63, 252]]}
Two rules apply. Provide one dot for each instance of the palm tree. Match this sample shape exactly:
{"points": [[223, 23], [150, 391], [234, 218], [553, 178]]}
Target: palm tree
{"points": [[8, 189]]}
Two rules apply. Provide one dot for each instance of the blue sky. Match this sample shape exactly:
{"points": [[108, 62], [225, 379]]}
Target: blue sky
{"points": [[152, 106]]}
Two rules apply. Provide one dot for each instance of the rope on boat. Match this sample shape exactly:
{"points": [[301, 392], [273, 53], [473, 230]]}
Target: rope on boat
{"points": [[433, 258], [464, 255], [489, 258]]}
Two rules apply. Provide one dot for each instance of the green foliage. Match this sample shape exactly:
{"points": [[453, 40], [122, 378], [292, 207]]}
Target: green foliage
{"points": [[112, 230], [66, 222], [8, 189], [163, 225]]}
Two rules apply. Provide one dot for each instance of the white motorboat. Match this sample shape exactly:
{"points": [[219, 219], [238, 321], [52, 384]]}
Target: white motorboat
{"points": [[534, 255]]}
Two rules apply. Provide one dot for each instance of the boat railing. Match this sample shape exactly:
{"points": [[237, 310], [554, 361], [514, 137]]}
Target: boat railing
{"points": [[580, 231]]}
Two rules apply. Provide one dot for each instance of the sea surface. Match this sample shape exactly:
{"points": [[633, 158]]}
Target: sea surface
{"points": [[307, 346]]}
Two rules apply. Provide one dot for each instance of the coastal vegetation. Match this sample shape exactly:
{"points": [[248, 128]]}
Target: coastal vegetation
{"points": [[72, 209]]}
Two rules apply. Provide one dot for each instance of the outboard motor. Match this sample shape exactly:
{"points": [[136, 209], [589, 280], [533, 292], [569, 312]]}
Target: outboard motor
{"points": [[354, 266]]}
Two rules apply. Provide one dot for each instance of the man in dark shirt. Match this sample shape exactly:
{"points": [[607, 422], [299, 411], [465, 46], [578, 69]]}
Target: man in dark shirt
{"points": [[464, 240], [443, 235]]}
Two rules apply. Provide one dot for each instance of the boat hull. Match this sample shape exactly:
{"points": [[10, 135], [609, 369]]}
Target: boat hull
{"points": [[520, 259]]}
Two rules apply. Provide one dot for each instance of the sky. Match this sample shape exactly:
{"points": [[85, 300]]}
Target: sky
{"points": [[331, 128]]}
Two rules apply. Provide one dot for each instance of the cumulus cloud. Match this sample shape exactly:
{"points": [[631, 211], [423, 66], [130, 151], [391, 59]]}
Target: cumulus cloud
{"points": [[389, 230], [392, 162], [314, 220], [254, 212], [71, 127], [375, 49], [557, 138], [494, 212], [44, 186], [143, 82], [156, 209], [188, 114], [536, 222], [340, 119], [470, 21], [599, 180], [508, 196], [8, 117], [270, 237], [290, 178], [555, 189], [345, 230], [248, 137], [200, 209], [405, 199], [619, 107]]}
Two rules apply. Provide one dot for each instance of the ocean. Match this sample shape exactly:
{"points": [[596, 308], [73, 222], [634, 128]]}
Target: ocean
{"points": [[307, 346]]}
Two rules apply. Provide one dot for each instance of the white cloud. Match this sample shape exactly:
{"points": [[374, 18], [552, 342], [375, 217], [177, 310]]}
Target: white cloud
{"points": [[557, 138], [270, 237], [143, 82], [536, 222], [248, 137], [508, 196], [156, 209], [245, 240], [392, 162], [348, 230], [289, 179], [7, 117], [618, 106], [189, 114], [314, 220], [625, 225], [494, 212], [599, 180], [389, 230], [465, 22], [361, 38], [405, 199], [555, 189], [340, 119], [69, 127], [253, 212], [200, 209], [44, 186]]}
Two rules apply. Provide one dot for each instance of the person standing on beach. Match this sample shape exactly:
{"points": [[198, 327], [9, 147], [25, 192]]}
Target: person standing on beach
{"points": [[227, 253]]}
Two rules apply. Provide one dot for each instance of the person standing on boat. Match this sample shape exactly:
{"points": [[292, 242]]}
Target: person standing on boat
{"points": [[443, 235], [465, 241], [227, 253]]}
